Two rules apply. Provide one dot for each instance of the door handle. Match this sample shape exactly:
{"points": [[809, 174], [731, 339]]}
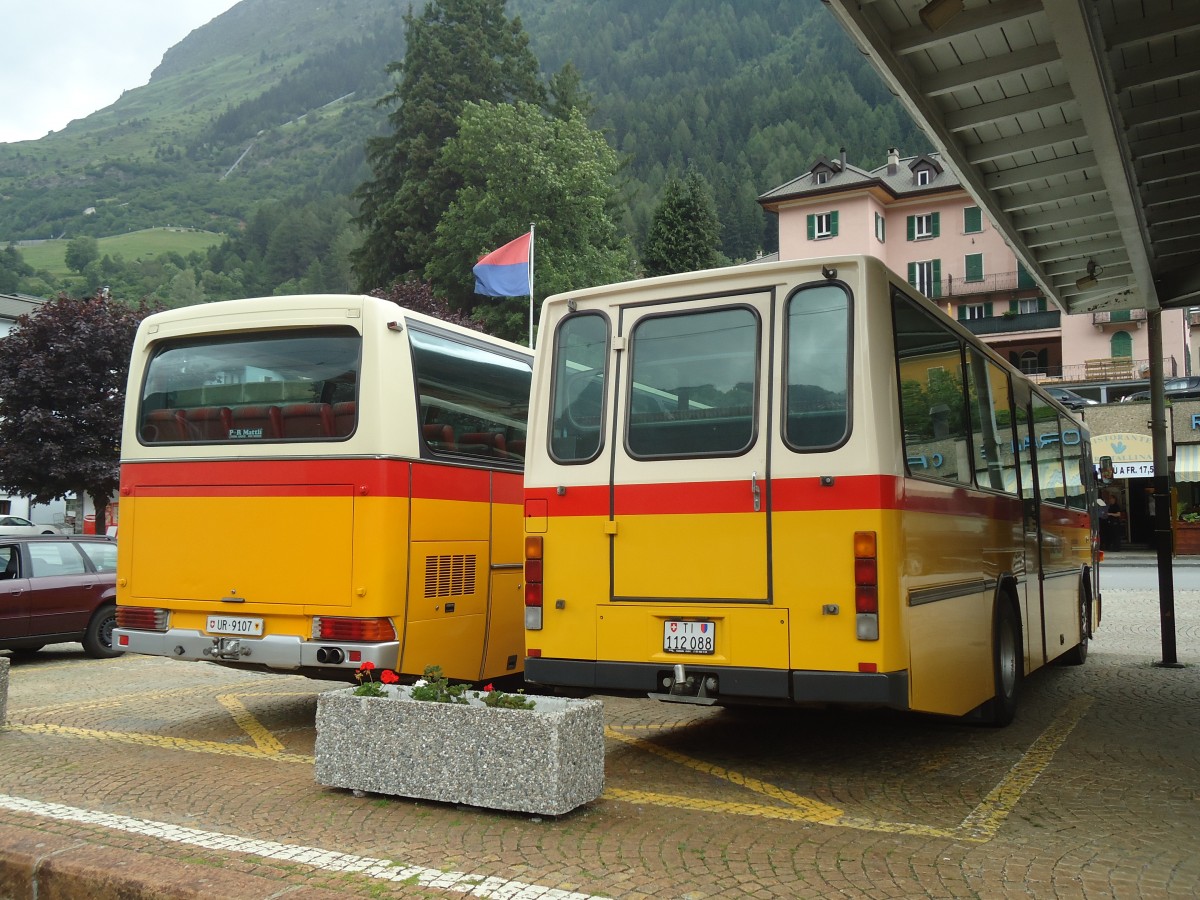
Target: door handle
{"points": [[754, 491]]}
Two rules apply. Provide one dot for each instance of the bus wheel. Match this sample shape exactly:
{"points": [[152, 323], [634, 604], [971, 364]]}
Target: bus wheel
{"points": [[1077, 655], [1007, 667]]}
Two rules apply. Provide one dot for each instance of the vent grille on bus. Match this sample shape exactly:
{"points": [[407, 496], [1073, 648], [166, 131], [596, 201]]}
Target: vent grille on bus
{"points": [[450, 576]]}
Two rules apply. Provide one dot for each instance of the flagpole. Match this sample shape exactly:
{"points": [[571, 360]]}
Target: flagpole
{"points": [[531, 226]]}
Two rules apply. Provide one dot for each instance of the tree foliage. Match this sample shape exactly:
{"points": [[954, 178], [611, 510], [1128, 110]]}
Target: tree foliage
{"points": [[62, 390], [685, 233], [81, 251], [458, 51], [519, 166], [418, 296]]}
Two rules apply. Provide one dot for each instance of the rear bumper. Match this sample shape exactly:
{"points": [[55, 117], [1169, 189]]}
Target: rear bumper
{"points": [[275, 651], [735, 685]]}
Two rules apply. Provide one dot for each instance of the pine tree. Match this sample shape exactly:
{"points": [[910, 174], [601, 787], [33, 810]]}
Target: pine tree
{"points": [[685, 233], [458, 51]]}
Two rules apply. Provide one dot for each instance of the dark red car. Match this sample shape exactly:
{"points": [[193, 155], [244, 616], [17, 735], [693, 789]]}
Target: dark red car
{"points": [[58, 588]]}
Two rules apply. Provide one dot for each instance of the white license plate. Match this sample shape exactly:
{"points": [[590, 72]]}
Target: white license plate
{"points": [[234, 625], [689, 637]]}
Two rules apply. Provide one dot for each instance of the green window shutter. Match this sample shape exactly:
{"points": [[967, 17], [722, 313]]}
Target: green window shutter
{"points": [[912, 274], [1024, 279], [962, 313], [882, 229], [974, 266], [1041, 304], [987, 309], [812, 228], [935, 289], [936, 224], [1122, 344], [1012, 306], [833, 216], [912, 228], [972, 219]]}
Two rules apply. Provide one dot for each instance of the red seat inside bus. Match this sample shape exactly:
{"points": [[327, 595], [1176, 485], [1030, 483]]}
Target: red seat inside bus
{"points": [[485, 442], [161, 425], [344, 414], [207, 423], [307, 420], [439, 437]]}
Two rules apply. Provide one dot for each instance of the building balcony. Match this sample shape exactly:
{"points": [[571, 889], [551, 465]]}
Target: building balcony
{"points": [[1118, 317], [1110, 369], [988, 284], [1004, 324]]}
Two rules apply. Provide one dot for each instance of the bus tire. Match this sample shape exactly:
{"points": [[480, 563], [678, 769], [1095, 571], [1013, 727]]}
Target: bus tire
{"points": [[98, 639], [1007, 666], [1077, 655]]}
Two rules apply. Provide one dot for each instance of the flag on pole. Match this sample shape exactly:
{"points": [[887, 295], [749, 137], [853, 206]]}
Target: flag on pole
{"points": [[505, 272]]}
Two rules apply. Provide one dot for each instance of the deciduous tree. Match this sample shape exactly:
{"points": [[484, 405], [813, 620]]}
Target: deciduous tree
{"points": [[62, 394], [517, 165]]}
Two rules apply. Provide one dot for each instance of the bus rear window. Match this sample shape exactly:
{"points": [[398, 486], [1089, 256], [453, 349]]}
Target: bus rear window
{"points": [[818, 368], [293, 385]]}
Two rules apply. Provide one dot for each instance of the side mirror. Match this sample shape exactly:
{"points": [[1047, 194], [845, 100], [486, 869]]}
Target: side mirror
{"points": [[1106, 470]]}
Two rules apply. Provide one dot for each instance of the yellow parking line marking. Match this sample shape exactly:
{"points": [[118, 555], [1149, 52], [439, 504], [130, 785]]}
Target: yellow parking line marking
{"points": [[242, 717], [814, 810], [985, 820], [980, 826], [161, 742]]}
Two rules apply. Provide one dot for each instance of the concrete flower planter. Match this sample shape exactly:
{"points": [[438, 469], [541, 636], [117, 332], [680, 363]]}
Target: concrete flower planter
{"points": [[546, 760], [3, 689]]}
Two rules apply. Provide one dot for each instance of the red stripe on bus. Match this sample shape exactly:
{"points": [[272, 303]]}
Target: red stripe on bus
{"points": [[318, 478]]}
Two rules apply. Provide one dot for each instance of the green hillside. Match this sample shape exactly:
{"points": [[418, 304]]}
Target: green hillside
{"points": [[139, 245], [254, 127]]}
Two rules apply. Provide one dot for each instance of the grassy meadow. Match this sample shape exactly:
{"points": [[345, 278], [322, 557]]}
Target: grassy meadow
{"points": [[146, 244]]}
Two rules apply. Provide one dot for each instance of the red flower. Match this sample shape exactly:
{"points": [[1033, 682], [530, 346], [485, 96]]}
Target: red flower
{"points": [[387, 676], [488, 687], [367, 666]]}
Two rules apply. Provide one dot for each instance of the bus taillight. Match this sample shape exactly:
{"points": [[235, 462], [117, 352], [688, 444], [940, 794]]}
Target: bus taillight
{"points": [[143, 618], [866, 585], [338, 628], [533, 582]]}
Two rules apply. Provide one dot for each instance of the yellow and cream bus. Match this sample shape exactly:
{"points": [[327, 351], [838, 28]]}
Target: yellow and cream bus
{"points": [[311, 483], [797, 482]]}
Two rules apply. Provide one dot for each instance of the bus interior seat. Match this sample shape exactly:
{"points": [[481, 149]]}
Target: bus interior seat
{"points": [[485, 442], [262, 422], [343, 418], [307, 420], [207, 423], [160, 425], [439, 437], [517, 448]]}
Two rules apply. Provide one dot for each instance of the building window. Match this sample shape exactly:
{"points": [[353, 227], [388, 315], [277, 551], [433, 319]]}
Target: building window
{"points": [[923, 227], [1028, 305], [1121, 344], [974, 267], [822, 225], [969, 311], [820, 177], [972, 220], [1029, 363], [879, 222], [926, 277], [924, 176]]}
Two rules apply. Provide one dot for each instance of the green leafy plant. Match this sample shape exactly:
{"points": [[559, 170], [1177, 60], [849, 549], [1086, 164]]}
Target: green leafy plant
{"points": [[368, 686], [435, 687]]}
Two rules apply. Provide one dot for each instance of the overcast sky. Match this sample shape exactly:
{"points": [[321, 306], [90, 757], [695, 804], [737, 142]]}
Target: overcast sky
{"points": [[65, 59]]}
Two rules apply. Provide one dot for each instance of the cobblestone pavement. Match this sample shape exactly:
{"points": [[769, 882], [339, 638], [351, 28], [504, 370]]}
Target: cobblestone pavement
{"points": [[140, 777]]}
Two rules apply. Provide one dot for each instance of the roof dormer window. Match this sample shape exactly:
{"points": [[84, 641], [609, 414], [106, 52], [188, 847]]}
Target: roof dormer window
{"points": [[924, 176], [820, 177]]}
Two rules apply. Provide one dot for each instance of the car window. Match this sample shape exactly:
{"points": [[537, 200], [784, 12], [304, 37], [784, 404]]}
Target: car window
{"points": [[58, 558], [103, 556], [10, 562]]}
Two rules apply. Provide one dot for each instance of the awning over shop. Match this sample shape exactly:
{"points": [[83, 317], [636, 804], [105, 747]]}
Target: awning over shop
{"points": [[1187, 462]]}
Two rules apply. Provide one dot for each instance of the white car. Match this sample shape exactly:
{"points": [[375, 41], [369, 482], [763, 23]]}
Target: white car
{"points": [[17, 525]]}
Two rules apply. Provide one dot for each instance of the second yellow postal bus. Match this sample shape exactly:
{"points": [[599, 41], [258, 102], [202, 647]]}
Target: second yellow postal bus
{"points": [[798, 482], [312, 483]]}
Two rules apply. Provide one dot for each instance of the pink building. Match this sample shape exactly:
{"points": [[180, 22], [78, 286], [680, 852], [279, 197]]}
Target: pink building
{"points": [[915, 215]]}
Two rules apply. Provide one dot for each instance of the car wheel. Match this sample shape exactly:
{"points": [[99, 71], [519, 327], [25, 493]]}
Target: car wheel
{"points": [[98, 639]]}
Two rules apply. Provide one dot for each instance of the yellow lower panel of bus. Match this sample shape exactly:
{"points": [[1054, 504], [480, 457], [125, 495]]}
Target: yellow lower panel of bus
{"points": [[743, 636], [262, 549], [504, 653], [455, 643], [951, 663]]}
